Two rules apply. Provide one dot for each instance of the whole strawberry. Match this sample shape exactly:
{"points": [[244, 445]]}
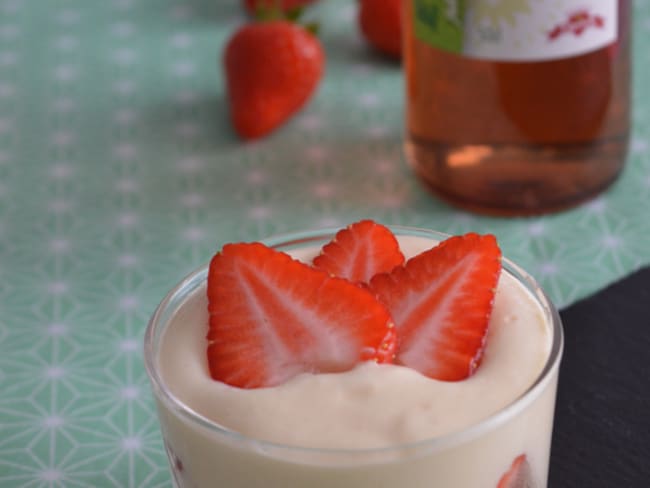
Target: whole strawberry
{"points": [[272, 69], [381, 25], [252, 6]]}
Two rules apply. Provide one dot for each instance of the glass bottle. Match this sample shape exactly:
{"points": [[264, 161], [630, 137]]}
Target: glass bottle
{"points": [[517, 107]]}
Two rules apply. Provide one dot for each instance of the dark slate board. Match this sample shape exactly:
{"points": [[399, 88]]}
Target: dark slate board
{"points": [[602, 424]]}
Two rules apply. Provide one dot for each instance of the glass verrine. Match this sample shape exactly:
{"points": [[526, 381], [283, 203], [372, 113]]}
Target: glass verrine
{"points": [[202, 453]]}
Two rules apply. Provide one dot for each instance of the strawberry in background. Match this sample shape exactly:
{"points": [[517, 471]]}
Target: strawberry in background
{"points": [[380, 22], [272, 68], [252, 6]]}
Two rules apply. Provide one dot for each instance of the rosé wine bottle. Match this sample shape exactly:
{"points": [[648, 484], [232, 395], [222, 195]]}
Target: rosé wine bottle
{"points": [[517, 107]]}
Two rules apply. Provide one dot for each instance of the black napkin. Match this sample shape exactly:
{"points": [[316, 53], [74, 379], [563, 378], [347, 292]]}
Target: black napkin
{"points": [[602, 423]]}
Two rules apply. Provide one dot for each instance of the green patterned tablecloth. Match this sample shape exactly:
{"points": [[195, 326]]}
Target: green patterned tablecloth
{"points": [[119, 174]]}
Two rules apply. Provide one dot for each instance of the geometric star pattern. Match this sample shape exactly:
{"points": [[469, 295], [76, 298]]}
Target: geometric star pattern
{"points": [[119, 174]]}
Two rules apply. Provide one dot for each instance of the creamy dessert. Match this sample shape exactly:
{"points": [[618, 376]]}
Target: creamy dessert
{"points": [[373, 424]]}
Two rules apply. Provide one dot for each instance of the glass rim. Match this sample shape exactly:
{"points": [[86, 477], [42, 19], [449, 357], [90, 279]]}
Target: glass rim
{"points": [[196, 278]]}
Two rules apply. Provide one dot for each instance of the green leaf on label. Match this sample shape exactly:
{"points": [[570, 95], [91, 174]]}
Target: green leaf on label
{"points": [[440, 23]]}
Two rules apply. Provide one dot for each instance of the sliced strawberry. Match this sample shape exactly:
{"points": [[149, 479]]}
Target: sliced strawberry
{"points": [[441, 301], [518, 476], [272, 317], [360, 251]]}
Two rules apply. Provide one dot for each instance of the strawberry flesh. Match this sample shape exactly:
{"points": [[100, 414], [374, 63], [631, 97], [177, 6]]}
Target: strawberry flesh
{"points": [[360, 251], [518, 476], [272, 317], [441, 301]]}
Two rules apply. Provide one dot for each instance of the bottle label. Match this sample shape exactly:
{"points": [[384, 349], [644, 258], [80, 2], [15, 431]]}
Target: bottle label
{"points": [[516, 30]]}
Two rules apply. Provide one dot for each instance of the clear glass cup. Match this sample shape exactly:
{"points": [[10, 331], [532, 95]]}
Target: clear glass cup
{"points": [[203, 454]]}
